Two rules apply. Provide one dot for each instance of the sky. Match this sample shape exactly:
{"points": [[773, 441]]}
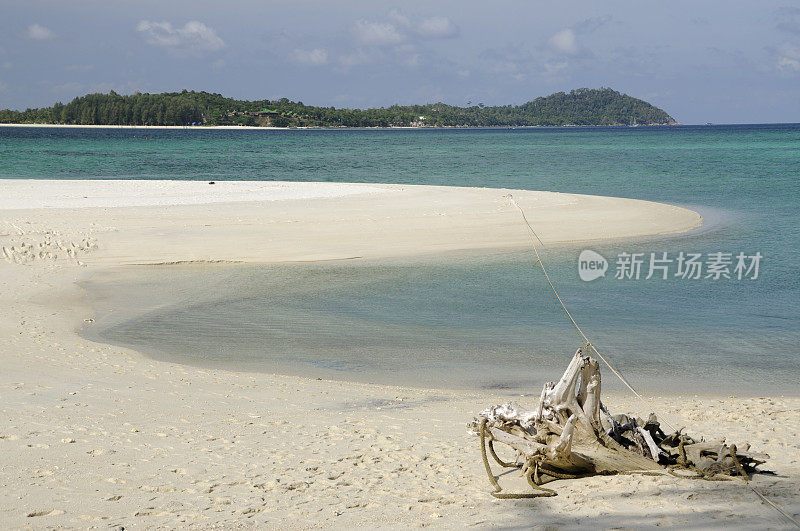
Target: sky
{"points": [[701, 61]]}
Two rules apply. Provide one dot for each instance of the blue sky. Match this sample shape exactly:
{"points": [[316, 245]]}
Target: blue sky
{"points": [[701, 61]]}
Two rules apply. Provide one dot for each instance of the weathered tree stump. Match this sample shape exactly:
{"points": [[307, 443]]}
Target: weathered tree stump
{"points": [[571, 435]]}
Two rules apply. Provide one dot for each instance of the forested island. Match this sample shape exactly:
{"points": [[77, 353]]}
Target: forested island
{"points": [[578, 107]]}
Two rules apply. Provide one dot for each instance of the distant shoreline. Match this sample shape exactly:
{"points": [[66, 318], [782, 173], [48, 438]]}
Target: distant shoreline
{"points": [[252, 127]]}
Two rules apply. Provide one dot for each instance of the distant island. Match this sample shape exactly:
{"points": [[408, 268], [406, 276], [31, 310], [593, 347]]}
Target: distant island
{"points": [[580, 107]]}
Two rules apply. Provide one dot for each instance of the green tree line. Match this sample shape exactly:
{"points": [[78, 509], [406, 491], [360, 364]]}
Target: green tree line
{"points": [[578, 107]]}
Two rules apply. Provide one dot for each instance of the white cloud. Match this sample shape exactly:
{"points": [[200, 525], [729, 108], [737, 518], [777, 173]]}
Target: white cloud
{"points": [[564, 42], [376, 33], [789, 60], [38, 32], [399, 18], [401, 24], [437, 28], [315, 57], [412, 60], [356, 58], [193, 36], [408, 55], [396, 38], [787, 64]]}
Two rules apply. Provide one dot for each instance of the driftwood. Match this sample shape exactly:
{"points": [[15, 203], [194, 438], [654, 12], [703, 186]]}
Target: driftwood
{"points": [[571, 435]]}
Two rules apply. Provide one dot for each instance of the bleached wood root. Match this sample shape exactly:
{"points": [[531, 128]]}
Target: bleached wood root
{"points": [[571, 434]]}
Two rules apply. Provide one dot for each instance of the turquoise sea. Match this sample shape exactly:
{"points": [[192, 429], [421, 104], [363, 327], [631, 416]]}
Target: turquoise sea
{"points": [[467, 319]]}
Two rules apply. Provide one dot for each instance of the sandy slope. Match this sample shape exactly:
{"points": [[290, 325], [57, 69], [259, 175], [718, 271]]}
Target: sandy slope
{"points": [[94, 435]]}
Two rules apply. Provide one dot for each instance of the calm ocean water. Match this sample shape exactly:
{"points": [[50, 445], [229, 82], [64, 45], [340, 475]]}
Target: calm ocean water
{"points": [[467, 319]]}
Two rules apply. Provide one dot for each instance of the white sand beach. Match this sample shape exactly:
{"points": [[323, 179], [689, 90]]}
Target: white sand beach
{"points": [[93, 435]]}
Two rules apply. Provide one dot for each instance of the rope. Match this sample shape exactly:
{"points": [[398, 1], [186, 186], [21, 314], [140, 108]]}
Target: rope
{"points": [[757, 492], [531, 469], [744, 478], [772, 504], [492, 479], [589, 344], [682, 459], [500, 461]]}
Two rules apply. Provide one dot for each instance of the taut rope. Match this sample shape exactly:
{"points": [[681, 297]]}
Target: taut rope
{"points": [[591, 346]]}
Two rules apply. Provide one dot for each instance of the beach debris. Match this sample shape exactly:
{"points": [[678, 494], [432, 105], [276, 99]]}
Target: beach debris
{"points": [[572, 435], [46, 247], [44, 512]]}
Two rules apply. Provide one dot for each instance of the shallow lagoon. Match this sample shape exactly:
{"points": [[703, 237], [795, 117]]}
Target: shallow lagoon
{"points": [[464, 320], [469, 320]]}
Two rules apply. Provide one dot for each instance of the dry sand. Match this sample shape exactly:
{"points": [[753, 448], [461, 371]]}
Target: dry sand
{"points": [[96, 435]]}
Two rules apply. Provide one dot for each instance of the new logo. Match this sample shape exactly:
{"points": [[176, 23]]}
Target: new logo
{"points": [[591, 265]]}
